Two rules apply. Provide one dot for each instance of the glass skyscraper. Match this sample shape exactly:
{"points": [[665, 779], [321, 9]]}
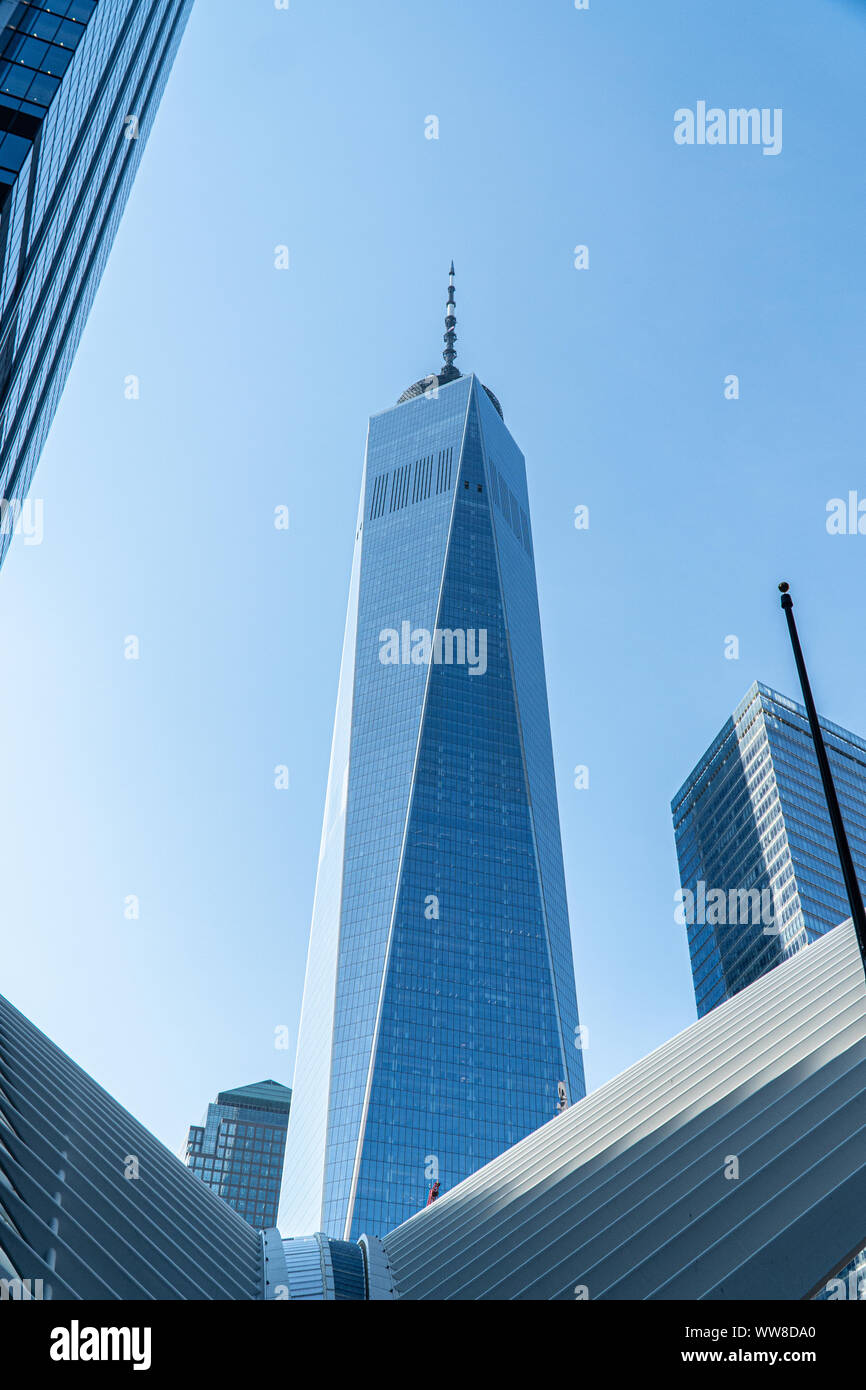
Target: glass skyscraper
{"points": [[239, 1149], [752, 816], [80, 84], [439, 1020]]}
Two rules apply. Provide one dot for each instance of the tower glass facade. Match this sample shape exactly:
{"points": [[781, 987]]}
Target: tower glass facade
{"points": [[80, 85], [752, 815], [439, 1013], [239, 1149]]}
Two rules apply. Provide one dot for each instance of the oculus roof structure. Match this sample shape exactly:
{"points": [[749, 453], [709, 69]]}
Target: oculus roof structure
{"points": [[728, 1164]]}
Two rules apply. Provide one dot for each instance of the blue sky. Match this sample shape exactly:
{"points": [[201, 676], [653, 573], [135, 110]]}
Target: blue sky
{"points": [[306, 128]]}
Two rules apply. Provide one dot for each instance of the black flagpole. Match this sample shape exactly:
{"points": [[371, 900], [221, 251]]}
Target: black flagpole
{"points": [[849, 873]]}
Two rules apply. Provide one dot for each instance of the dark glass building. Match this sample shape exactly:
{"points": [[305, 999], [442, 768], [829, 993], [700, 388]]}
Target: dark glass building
{"points": [[439, 1022], [239, 1149], [80, 85], [752, 816]]}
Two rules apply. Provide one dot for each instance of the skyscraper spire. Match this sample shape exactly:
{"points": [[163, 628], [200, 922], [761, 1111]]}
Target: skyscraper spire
{"points": [[449, 372], [450, 352]]}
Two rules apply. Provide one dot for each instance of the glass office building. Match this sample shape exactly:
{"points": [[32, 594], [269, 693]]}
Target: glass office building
{"points": [[439, 1019], [80, 85], [239, 1149], [752, 816]]}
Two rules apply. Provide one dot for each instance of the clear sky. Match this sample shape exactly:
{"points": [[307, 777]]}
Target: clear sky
{"points": [[306, 128]]}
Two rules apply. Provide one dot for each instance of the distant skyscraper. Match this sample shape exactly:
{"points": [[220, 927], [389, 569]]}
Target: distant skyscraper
{"points": [[752, 816], [80, 84], [439, 1013], [239, 1149]]}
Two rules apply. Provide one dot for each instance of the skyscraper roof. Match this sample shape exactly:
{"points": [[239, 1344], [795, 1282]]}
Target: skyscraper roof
{"points": [[270, 1093]]}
